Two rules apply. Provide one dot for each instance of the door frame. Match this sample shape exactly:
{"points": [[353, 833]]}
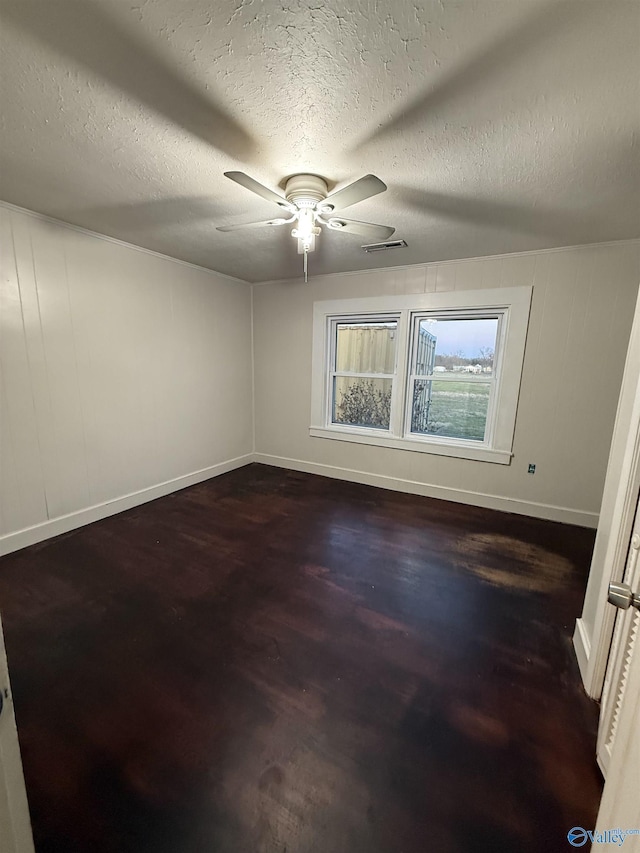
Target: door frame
{"points": [[15, 825], [594, 629]]}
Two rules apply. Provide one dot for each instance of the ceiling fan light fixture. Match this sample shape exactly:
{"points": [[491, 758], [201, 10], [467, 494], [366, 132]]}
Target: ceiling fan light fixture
{"points": [[306, 227], [307, 199], [307, 245]]}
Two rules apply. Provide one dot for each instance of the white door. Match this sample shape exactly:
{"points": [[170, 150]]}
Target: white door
{"points": [[625, 641], [15, 827], [618, 750], [620, 806]]}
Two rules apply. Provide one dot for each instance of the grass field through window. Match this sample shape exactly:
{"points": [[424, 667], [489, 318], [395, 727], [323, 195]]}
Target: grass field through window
{"points": [[456, 410]]}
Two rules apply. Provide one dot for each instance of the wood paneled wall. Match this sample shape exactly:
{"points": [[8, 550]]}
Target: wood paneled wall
{"points": [[124, 375]]}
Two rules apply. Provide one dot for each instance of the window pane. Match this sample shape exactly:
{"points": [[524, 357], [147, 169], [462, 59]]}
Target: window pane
{"points": [[450, 408], [362, 402], [366, 347], [459, 346]]}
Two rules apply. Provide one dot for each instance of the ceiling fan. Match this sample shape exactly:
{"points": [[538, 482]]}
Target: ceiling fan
{"points": [[309, 205]]}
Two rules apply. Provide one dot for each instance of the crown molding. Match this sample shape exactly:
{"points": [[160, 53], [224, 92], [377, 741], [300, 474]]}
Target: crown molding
{"points": [[631, 242], [60, 222]]}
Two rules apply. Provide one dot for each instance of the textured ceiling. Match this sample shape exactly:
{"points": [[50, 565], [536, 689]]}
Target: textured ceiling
{"points": [[497, 126]]}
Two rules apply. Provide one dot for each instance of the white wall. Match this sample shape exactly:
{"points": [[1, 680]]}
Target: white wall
{"points": [[581, 315], [125, 375]]}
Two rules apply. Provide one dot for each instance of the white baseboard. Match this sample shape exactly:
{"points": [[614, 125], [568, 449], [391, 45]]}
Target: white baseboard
{"points": [[582, 647], [537, 510], [55, 526], [30, 535]]}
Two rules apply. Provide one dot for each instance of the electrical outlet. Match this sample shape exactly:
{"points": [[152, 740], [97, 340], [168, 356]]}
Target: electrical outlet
{"points": [[531, 469]]}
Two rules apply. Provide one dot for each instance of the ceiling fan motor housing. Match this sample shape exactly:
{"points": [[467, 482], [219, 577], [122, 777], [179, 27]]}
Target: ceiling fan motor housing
{"points": [[306, 190]]}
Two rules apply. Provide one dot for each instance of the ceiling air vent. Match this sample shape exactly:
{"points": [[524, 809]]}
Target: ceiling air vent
{"points": [[381, 247]]}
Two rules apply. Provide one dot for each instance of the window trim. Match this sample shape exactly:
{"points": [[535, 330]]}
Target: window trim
{"points": [[332, 328], [514, 304], [493, 381]]}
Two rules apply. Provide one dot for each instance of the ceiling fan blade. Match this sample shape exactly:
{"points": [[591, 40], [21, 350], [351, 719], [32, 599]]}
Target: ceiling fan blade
{"points": [[363, 229], [259, 189], [357, 191], [263, 224]]}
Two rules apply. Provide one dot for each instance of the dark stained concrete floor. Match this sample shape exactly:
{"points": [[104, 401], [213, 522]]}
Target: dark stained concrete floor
{"points": [[273, 661]]}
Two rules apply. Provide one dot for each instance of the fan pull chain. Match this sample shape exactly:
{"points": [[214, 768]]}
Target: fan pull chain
{"points": [[304, 265]]}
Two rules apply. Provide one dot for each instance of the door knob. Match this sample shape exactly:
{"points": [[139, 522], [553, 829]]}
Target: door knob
{"points": [[620, 595]]}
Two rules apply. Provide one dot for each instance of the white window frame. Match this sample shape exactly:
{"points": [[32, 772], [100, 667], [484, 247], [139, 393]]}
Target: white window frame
{"points": [[511, 304], [498, 314], [330, 372]]}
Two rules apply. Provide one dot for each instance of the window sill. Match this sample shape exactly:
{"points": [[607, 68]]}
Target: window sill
{"points": [[440, 448]]}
